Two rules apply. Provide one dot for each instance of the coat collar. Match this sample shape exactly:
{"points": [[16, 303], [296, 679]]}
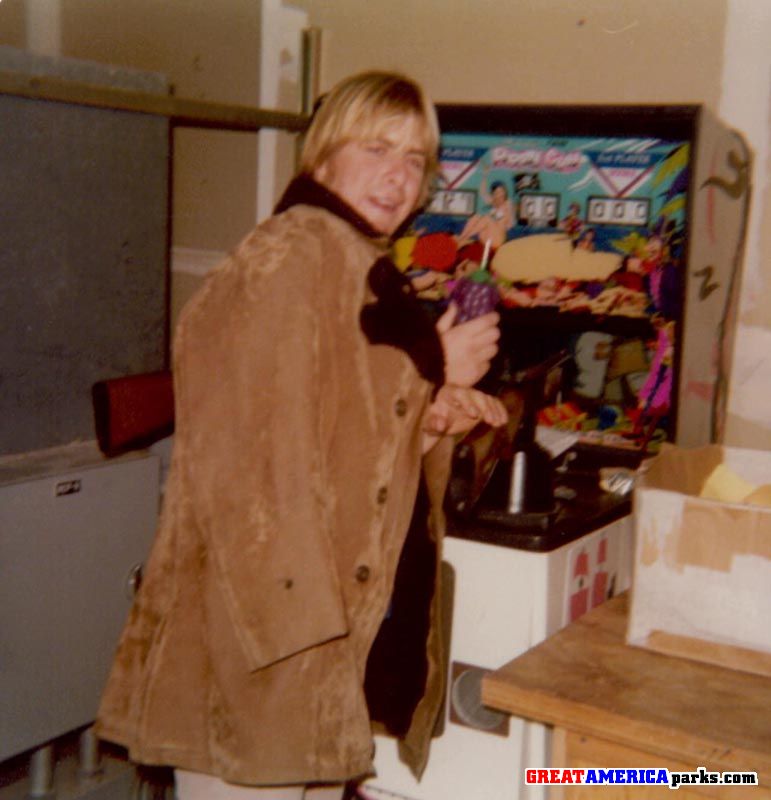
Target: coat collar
{"points": [[304, 190], [396, 317]]}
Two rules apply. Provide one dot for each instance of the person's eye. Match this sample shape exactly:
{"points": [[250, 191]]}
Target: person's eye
{"points": [[416, 162], [375, 148]]}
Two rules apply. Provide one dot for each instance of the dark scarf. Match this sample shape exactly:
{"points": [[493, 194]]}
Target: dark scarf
{"points": [[397, 318]]}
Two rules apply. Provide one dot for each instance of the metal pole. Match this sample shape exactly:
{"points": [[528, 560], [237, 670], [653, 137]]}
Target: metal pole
{"points": [[310, 77], [89, 764], [311, 68], [41, 773], [517, 483], [181, 112]]}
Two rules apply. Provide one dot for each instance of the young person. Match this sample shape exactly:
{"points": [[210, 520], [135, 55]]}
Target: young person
{"points": [[313, 398]]}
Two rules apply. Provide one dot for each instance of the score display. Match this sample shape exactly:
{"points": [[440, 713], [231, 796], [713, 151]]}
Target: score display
{"points": [[539, 209], [457, 203], [597, 189], [618, 211]]}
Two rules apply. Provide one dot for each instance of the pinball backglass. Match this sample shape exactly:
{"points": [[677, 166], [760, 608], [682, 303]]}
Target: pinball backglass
{"points": [[613, 233]]}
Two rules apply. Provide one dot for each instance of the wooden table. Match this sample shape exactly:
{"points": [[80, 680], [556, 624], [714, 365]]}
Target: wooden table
{"points": [[613, 705]]}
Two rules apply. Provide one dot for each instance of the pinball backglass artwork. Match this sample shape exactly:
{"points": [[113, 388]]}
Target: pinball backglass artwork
{"points": [[594, 230]]}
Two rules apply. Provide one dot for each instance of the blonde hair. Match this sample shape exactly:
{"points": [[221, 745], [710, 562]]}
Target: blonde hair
{"points": [[360, 107]]}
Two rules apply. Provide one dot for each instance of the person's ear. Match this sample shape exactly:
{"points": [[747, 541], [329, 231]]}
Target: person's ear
{"points": [[321, 173]]}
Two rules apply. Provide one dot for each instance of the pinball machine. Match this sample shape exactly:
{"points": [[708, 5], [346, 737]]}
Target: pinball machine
{"points": [[610, 240]]}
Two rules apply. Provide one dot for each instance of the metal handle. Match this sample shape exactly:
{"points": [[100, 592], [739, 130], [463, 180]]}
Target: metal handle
{"points": [[517, 484]]}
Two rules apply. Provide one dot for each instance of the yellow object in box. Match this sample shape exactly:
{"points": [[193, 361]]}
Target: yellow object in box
{"points": [[760, 497], [725, 485]]}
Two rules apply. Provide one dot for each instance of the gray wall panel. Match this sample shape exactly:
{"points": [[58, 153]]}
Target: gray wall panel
{"points": [[83, 261]]}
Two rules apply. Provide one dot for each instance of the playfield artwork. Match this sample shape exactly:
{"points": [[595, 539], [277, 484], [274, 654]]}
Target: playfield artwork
{"points": [[591, 227]]}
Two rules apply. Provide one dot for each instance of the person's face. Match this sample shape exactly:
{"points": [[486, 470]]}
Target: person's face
{"points": [[654, 248], [499, 196], [379, 178]]}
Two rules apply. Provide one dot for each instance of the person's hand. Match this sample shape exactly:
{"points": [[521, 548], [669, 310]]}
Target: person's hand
{"points": [[468, 347], [457, 409]]}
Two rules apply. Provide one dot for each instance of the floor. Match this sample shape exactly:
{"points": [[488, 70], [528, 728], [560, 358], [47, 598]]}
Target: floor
{"points": [[116, 779]]}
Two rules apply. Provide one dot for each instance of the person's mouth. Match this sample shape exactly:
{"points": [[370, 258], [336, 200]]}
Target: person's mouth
{"points": [[389, 205]]}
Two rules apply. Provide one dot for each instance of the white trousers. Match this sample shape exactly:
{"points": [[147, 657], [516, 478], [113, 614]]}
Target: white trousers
{"points": [[197, 786]]}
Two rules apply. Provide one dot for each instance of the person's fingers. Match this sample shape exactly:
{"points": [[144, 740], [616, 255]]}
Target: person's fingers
{"points": [[469, 346], [436, 421], [490, 409], [470, 406], [447, 320], [458, 399], [496, 412], [486, 352], [483, 322]]}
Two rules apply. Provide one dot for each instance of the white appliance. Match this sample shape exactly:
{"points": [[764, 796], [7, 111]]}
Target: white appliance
{"points": [[506, 600], [74, 530]]}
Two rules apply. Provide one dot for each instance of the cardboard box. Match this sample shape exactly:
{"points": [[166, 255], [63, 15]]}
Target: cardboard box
{"points": [[702, 571]]}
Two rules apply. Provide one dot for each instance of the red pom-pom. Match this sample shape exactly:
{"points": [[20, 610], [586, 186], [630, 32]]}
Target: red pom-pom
{"points": [[435, 251]]}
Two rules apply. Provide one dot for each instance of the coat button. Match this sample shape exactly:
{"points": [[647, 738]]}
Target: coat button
{"points": [[401, 407], [362, 573], [382, 495]]}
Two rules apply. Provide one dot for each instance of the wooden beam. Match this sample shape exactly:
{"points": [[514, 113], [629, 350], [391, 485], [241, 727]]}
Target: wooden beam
{"points": [[181, 112]]}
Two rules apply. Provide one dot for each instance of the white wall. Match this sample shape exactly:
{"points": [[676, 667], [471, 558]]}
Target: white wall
{"points": [[531, 50], [745, 103]]}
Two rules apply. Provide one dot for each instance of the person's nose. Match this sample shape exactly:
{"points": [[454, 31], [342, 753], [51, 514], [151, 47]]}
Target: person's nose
{"points": [[396, 170]]}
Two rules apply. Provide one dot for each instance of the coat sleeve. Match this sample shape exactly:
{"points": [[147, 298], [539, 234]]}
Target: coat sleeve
{"points": [[250, 359]]}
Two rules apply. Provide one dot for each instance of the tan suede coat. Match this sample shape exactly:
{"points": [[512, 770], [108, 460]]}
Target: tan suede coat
{"points": [[296, 462]]}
